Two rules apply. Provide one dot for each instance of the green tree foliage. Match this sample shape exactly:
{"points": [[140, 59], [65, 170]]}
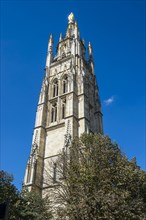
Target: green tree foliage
{"points": [[99, 182], [8, 194], [25, 205], [31, 206]]}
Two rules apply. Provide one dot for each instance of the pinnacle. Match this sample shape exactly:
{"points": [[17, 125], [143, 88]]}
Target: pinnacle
{"points": [[71, 18]]}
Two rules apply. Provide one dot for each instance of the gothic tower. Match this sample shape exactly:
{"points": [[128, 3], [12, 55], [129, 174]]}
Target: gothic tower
{"points": [[68, 105]]}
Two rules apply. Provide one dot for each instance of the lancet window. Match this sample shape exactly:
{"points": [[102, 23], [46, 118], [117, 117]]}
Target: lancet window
{"points": [[54, 113], [29, 173], [55, 88], [63, 108], [65, 84]]}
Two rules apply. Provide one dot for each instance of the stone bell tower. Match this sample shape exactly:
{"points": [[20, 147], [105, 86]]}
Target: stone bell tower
{"points": [[68, 105]]}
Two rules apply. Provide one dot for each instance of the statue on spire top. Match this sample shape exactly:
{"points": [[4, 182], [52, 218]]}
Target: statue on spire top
{"points": [[71, 18]]}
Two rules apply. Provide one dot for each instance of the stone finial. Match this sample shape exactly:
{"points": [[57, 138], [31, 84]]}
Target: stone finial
{"points": [[71, 18], [90, 48], [50, 40], [60, 38]]}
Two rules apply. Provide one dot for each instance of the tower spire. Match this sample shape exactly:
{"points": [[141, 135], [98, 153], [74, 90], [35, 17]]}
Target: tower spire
{"points": [[67, 105], [60, 38], [71, 25], [50, 51], [90, 50], [90, 55], [71, 18], [76, 30]]}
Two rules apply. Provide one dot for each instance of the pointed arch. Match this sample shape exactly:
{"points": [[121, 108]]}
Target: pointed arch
{"points": [[65, 84], [54, 112], [55, 88], [63, 109], [28, 172]]}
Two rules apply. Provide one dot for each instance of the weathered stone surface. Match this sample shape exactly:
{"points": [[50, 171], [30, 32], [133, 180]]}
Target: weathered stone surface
{"points": [[69, 104]]}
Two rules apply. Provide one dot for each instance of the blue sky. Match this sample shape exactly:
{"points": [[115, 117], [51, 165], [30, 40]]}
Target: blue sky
{"points": [[116, 30]]}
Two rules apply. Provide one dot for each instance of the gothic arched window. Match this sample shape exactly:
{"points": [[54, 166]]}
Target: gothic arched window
{"points": [[55, 88], [63, 109], [54, 113], [55, 118], [29, 173], [65, 84]]}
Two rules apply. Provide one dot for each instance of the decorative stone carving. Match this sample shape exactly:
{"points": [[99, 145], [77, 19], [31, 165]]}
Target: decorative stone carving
{"points": [[71, 18], [69, 97], [74, 80]]}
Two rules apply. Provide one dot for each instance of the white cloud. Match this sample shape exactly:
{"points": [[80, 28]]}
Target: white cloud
{"points": [[109, 101]]}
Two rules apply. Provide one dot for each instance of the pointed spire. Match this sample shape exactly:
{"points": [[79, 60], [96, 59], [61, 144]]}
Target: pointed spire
{"points": [[60, 38], [71, 24], [71, 18], [90, 49], [76, 25], [50, 51], [76, 30], [90, 53], [51, 38], [50, 43], [72, 28]]}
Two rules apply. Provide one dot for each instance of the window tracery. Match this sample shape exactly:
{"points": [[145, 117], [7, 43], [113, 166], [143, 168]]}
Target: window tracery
{"points": [[65, 84], [55, 88], [63, 109], [54, 113]]}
